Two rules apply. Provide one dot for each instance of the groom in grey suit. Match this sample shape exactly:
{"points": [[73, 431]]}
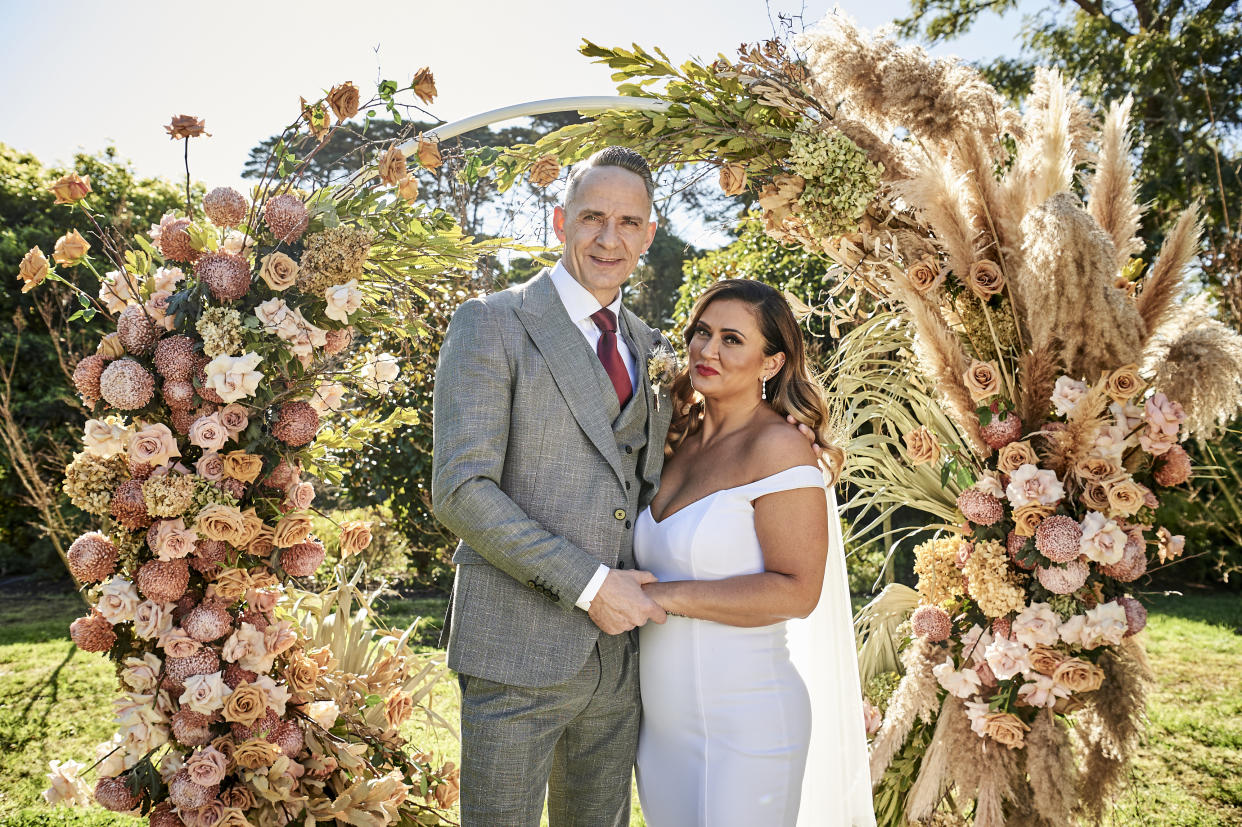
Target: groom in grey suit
{"points": [[548, 444]]}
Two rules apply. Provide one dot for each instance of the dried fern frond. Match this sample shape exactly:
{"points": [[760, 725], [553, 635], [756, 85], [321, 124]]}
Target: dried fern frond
{"points": [[1202, 370], [1113, 195], [1163, 285]]}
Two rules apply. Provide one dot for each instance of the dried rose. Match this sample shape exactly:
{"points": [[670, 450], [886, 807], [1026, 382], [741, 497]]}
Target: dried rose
{"points": [[424, 85], [219, 522], [921, 446], [429, 152], [982, 380], [255, 753], [925, 275], [544, 171], [301, 673], [355, 536], [33, 269], [392, 166], [1078, 675], [1096, 469], [407, 188], [246, 705], [1123, 384], [278, 271], [343, 99], [230, 585], [1045, 659], [291, 530], [1125, 496], [186, 126], [71, 188], [1005, 728], [70, 248], [733, 179], [1095, 496], [1028, 517], [239, 465], [985, 279], [1014, 455]]}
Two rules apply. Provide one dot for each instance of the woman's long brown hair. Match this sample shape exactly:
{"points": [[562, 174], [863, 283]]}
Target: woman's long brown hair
{"points": [[791, 390]]}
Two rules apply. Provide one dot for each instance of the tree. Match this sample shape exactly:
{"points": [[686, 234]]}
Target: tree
{"points": [[1180, 61], [40, 416]]}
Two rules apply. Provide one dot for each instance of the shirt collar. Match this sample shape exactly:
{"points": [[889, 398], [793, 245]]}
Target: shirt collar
{"points": [[579, 302]]}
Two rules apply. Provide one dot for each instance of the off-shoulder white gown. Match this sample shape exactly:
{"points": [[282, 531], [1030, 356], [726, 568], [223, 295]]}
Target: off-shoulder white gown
{"points": [[729, 716]]}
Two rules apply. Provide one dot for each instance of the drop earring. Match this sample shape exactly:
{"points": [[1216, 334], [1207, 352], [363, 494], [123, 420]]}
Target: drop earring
{"points": [[763, 382]]}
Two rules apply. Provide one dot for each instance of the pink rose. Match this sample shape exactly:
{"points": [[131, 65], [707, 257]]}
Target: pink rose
{"points": [[210, 466], [171, 540], [279, 637], [263, 600], [1163, 415], [234, 419], [1029, 485], [204, 693], [157, 308], [153, 445], [300, 495], [871, 718], [118, 600], [209, 433], [152, 620], [207, 767], [177, 643]]}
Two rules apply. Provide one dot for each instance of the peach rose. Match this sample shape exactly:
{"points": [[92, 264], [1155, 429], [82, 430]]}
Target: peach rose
{"points": [[1014, 455], [153, 445], [1123, 384], [300, 495], [327, 397], [278, 638], [255, 753], [234, 418], [238, 465], [220, 522], [157, 308], [209, 433], [392, 166], [207, 767], [230, 585], [921, 446], [110, 346], [985, 279], [33, 269], [429, 152], [407, 188], [210, 466], [1078, 675], [70, 248], [424, 85], [343, 99], [253, 525], [1005, 728], [291, 530], [355, 536], [186, 126], [278, 271], [925, 275], [1045, 660], [204, 693], [733, 179], [301, 674], [171, 540], [262, 545], [982, 380], [323, 713], [246, 705], [1125, 496], [1095, 496], [1028, 517], [398, 707], [1096, 469], [71, 188], [544, 171]]}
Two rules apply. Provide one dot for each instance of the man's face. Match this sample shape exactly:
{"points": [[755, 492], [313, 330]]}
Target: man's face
{"points": [[605, 229]]}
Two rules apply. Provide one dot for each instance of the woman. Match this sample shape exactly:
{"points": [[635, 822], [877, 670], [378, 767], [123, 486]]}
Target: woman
{"points": [[744, 537]]}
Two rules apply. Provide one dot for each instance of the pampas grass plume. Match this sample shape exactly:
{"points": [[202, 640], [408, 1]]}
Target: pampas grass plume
{"points": [[1203, 371], [1113, 197], [1158, 300], [1051, 769]]}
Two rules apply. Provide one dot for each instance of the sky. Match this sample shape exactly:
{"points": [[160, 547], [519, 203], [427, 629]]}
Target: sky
{"points": [[79, 75]]}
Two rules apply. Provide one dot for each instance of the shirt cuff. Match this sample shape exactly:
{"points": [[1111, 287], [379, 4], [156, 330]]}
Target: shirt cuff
{"points": [[592, 588]]}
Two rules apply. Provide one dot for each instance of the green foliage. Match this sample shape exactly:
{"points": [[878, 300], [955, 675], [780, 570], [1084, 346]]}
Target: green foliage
{"points": [[43, 403]]}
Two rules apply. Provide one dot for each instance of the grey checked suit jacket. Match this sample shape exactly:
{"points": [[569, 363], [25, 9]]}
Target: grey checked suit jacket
{"points": [[528, 474]]}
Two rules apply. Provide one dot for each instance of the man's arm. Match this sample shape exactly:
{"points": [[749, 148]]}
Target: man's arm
{"points": [[473, 390]]}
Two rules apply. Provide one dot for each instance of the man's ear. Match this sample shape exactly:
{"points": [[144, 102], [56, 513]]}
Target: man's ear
{"points": [[651, 231], [558, 223]]}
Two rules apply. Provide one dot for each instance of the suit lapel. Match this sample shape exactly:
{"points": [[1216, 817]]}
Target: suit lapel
{"points": [[568, 358], [642, 340]]}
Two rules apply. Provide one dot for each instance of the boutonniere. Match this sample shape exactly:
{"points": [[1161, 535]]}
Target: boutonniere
{"points": [[662, 367]]}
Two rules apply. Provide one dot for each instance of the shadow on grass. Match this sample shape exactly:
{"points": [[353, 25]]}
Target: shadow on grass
{"points": [[1214, 608], [53, 681]]}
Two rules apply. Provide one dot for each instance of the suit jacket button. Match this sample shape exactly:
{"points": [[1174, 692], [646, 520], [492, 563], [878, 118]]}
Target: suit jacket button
{"points": [[627, 523], [627, 485], [619, 513], [629, 449], [530, 584]]}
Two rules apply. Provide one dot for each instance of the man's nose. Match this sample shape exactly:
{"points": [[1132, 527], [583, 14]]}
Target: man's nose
{"points": [[608, 235]]}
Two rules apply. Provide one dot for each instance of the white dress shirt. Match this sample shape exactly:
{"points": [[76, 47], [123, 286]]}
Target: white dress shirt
{"points": [[580, 303]]}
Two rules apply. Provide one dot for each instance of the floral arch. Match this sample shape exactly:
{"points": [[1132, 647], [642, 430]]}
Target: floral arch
{"points": [[1054, 374]]}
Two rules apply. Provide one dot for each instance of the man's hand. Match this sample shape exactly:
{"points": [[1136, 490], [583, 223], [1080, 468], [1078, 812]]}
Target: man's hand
{"points": [[621, 605]]}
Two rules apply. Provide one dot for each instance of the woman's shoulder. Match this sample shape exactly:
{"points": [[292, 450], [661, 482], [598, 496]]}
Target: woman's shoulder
{"points": [[777, 446]]}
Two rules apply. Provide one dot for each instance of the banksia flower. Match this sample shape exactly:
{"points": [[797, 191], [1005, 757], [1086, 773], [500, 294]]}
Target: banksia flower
{"points": [[203, 662], [1133, 562], [1065, 579], [1174, 467], [113, 794], [86, 377], [234, 674], [1058, 538], [92, 633], [164, 581], [186, 795], [227, 276], [1000, 432], [932, 623], [175, 357], [128, 506], [224, 206], [126, 385], [1136, 615], [260, 728], [980, 508], [175, 242], [288, 736], [208, 621], [163, 816], [191, 728], [302, 560], [92, 558], [287, 217], [137, 330], [296, 423]]}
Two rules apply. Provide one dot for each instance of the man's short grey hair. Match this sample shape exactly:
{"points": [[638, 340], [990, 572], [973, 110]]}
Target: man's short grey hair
{"points": [[611, 156]]}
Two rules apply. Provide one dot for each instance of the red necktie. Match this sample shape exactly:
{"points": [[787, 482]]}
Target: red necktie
{"points": [[606, 321]]}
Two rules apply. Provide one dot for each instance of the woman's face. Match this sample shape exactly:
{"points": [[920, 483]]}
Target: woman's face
{"points": [[726, 352]]}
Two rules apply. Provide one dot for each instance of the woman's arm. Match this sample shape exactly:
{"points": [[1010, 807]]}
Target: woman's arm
{"points": [[793, 533]]}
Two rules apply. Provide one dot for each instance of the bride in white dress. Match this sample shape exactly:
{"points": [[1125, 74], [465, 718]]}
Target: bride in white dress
{"points": [[752, 711]]}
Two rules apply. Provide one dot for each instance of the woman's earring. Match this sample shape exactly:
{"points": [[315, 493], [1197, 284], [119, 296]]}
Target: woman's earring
{"points": [[763, 381]]}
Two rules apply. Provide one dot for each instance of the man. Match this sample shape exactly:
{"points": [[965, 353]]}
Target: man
{"points": [[548, 444]]}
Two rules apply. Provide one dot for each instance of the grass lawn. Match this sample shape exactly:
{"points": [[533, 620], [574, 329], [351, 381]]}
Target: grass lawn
{"points": [[55, 703]]}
